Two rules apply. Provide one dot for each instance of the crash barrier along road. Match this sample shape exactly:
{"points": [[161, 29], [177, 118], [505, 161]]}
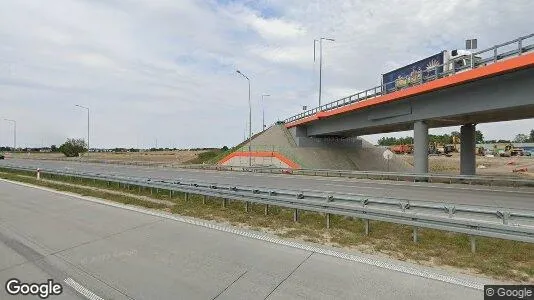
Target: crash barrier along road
{"points": [[446, 178], [491, 180], [484, 221]]}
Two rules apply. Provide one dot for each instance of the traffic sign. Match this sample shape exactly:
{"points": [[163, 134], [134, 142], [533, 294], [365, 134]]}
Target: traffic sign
{"points": [[387, 154]]}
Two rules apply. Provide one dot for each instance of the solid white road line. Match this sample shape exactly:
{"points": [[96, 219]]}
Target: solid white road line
{"points": [[82, 290]]}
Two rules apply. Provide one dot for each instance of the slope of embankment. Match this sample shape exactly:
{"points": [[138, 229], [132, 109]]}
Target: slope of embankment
{"points": [[276, 147]]}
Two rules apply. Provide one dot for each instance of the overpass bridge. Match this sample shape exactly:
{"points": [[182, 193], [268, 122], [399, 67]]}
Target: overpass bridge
{"points": [[497, 87]]}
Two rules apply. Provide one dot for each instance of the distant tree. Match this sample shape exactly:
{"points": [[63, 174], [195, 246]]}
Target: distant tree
{"points": [[503, 141], [53, 148], [479, 137], [73, 147], [455, 133], [224, 148], [531, 139], [521, 138]]}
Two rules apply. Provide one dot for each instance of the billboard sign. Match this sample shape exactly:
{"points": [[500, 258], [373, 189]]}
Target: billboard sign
{"points": [[413, 73]]}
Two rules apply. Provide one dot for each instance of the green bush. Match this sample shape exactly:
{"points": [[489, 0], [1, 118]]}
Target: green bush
{"points": [[73, 147]]}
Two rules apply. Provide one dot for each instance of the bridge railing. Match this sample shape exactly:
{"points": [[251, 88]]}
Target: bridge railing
{"points": [[478, 59]]}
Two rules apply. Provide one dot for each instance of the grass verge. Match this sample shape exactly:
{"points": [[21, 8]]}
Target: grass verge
{"points": [[500, 259]]}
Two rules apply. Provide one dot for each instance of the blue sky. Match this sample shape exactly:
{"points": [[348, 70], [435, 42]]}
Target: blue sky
{"points": [[165, 69]]}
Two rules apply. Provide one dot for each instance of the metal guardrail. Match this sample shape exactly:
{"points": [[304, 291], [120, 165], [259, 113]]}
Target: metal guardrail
{"points": [[428, 177], [493, 222], [522, 47], [397, 176]]}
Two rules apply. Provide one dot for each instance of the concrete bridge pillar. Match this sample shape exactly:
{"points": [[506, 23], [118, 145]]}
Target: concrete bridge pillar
{"points": [[467, 150], [420, 136]]}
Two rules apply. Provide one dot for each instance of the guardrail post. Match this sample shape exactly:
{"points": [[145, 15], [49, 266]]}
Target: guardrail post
{"points": [[170, 193], [247, 208], [266, 212], [204, 198], [225, 202], [327, 220], [151, 190], [473, 243], [186, 196], [38, 174], [295, 215], [366, 223], [415, 234]]}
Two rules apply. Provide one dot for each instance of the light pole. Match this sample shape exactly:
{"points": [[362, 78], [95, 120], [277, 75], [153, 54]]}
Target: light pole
{"points": [[249, 120], [87, 126], [263, 108], [14, 133], [320, 61]]}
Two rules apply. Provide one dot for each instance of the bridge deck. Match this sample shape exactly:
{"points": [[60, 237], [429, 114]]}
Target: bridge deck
{"points": [[498, 68]]}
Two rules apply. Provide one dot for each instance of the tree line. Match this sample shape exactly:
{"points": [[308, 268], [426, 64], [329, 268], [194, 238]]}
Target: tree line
{"points": [[443, 139], [525, 138]]}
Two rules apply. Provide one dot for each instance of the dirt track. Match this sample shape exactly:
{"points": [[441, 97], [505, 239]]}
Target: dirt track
{"points": [[485, 165]]}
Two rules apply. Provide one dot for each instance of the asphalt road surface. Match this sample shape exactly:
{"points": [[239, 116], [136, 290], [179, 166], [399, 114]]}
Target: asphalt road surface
{"points": [[515, 198], [109, 252]]}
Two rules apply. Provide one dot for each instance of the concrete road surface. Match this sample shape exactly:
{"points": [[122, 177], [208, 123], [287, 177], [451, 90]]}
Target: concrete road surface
{"points": [[516, 198], [110, 252]]}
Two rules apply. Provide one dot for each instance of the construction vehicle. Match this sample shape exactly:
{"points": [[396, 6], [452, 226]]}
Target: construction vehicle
{"points": [[433, 149], [517, 152], [503, 150], [402, 149], [449, 149]]}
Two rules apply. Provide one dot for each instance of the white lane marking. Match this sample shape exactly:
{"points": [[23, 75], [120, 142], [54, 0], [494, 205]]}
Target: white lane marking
{"points": [[82, 290], [263, 237]]}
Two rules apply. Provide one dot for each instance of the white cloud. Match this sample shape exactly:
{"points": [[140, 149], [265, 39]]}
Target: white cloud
{"points": [[166, 69], [275, 28]]}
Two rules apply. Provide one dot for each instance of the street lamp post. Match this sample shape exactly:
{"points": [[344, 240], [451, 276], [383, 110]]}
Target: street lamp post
{"points": [[263, 108], [320, 61], [249, 120], [14, 133], [87, 108]]}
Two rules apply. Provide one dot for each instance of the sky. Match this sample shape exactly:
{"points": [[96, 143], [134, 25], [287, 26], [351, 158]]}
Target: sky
{"points": [[164, 71]]}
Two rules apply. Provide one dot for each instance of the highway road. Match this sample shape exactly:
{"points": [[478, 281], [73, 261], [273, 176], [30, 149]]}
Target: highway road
{"points": [[112, 252], [515, 198]]}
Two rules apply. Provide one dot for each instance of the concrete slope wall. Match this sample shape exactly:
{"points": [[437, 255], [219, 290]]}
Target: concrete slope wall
{"points": [[365, 158]]}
